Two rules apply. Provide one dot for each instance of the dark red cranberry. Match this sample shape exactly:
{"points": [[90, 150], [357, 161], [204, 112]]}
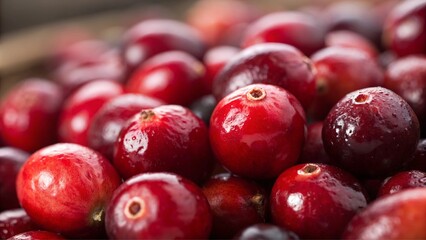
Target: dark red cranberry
{"points": [[221, 21], [269, 63], [107, 122], [345, 38], [338, 73], [65, 188], [151, 37], [168, 138], [236, 203], [404, 30], [13, 222], [294, 28], [372, 186], [37, 235], [407, 78], [265, 231], [402, 180], [174, 77], [203, 108], [316, 200], [11, 160], [395, 216], [81, 106], [214, 60], [29, 114], [371, 132], [313, 150], [158, 206], [418, 161], [258, 131]]}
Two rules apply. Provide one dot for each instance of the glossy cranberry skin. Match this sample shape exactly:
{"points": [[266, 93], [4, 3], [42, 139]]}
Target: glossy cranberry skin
{"points": [[158, 206], [407, 78], [37, 235], [395, 216], [265, 231], [258, 131], [168, 138], [268, 63], [404, 30], [151, 37], [174, 77], [316, 200], [11, 160], [338, 73], [29, 113], [13, 222], [214, 60], [371, 132], [291, 28], [80, 108], [313, 150], [402, 180], [418, 160], [236, 203], [107, 122], [75, 182], [349, 39]]}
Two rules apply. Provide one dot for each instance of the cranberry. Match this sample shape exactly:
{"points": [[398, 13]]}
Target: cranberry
{"points": [[407, 78], [168, 138], [269, 63], [291, 28], [236, 203], [154, 36], [395, 216], [37, 235], [313, 150], [81, 106], [11, 160], [29, 113], [418, 161], [345, 38], [265, 231], [316, 200], [174, 77], [402, 180], [13, 222], [203, 108], [221, 21], [65, 188], [107, 122], [158, 206], [371, 132], [338, 73], [258, 131], [405, 28], [372, 186]]}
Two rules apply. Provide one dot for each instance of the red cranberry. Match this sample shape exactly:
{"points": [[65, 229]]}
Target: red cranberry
{"points": [[265, 231], [107, 122], [236, 203], [37, 235], [151, 37], [13, 222], [174, 77], [403, 180], [214, 60], [80, 108], [395, 216], [221, 21], [203, 108], [158, 206], [405, 28], [294, 28], [11, 160], [316, 200], [29, 114], [407, 78], [258, 131], [313, 150], [345, 38], [269, 63], [371, 132], [168, 138], [65, 188], [338, 73], [418, 161]]}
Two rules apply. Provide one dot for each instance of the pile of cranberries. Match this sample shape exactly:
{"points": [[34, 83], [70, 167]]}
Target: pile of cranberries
{"points": [[232, 123]]}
